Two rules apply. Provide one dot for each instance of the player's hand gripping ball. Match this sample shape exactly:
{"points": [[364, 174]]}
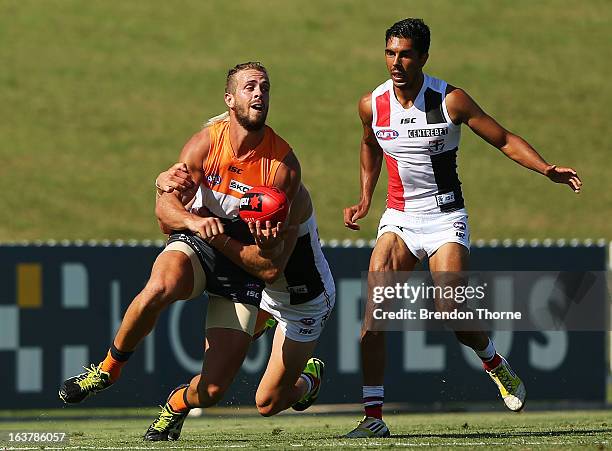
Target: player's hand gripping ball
{"points": [[264, 203]]}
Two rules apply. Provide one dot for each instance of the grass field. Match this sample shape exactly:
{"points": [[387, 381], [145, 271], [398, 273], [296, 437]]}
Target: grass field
{"points": [[98, 97], [529, 430]]}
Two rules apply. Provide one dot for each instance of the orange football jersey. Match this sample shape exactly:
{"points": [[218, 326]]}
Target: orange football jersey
{"points": [[227, 178]]}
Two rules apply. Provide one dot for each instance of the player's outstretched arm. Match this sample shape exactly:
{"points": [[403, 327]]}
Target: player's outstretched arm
{"points": [[463, 109], [169, 208], [370, 158]]}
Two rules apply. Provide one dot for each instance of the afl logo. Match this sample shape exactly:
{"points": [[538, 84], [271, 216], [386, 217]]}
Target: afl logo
{"points": [[213, 179], [386, 135]]}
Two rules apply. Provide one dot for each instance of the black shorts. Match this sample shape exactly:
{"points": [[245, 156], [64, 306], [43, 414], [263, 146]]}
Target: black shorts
{"points": [[223, 277]]}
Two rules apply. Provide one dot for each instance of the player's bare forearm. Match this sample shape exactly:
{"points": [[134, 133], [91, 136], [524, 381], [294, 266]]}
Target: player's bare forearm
{"points": [[371, 163], [171, 213], [519, 150], [250, 258]]}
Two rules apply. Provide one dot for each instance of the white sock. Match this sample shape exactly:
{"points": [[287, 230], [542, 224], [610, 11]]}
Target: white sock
{"points": [[309, 384], [373, 391], [487, 353]]}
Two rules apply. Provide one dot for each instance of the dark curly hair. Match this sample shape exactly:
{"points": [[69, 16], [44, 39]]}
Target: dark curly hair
{"points": [[410, 28]]}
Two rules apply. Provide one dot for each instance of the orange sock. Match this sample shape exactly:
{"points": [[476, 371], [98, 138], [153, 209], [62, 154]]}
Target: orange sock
{"points": [[112, 366], [177, 400]]}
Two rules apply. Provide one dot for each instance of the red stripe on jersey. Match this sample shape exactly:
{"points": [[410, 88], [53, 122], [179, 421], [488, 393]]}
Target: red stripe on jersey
{"points": [[395, 188], [383, 110]]}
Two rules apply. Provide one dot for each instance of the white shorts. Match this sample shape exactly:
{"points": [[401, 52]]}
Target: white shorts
{"points": [[424, 234], [300, 322]]}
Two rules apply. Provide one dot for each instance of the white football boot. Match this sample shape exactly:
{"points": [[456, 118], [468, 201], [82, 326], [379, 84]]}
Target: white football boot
{"points": [[369, 427], [510, 386]]}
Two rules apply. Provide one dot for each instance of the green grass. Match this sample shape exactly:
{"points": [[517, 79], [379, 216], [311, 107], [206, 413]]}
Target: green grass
{"points": [[98, 97], [529, 430]]}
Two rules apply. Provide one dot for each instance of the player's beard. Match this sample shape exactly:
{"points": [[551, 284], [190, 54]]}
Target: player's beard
{"points": [[251, 125]]}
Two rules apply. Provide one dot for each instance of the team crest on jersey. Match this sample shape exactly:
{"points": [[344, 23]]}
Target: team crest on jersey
{"points": [[436, 145], [387, 134]]}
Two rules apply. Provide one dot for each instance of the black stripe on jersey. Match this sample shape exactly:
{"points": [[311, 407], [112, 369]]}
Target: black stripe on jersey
{"points": [[304, 281], [433, 107], [445, 172]]}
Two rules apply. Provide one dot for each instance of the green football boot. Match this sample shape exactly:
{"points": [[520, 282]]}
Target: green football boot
{"points": [[79, 387], [314, 371]]}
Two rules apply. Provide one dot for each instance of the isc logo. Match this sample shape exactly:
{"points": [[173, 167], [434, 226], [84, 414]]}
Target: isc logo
{"points": [[386, 135]]}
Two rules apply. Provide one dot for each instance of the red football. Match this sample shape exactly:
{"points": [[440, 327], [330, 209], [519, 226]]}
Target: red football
{"points": [[264, 203]]}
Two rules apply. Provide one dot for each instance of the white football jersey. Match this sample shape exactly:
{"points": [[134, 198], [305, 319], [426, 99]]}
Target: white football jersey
{"points": [[420, 146]]}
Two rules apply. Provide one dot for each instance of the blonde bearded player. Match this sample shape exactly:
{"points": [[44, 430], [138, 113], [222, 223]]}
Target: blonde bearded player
{"points": [[223, 159], [414, 120]]}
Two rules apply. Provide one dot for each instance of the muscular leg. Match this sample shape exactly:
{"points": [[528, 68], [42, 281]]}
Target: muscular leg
{"points": [[453, 258], [171, 279], [389, 254], [281, 385], [224, 353]]}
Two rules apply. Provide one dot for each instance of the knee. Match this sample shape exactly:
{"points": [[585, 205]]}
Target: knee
{"points": [[266, 404], [158, 294], [266, 410]]}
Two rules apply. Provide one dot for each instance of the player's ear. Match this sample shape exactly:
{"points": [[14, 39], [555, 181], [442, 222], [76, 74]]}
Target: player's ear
{"points": [[424, 58], [229, 100]]}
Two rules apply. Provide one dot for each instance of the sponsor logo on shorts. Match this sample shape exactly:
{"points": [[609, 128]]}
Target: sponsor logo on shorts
{"points": [[213, 179], [252, 294], [305, 331], [446, 198], [387, 134], [239, 187], [298, 289], [308, 321], [460, 234], [459, 225]]}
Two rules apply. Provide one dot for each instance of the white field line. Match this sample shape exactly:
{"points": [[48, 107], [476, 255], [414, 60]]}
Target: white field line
{"points": [[346, 443]]}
